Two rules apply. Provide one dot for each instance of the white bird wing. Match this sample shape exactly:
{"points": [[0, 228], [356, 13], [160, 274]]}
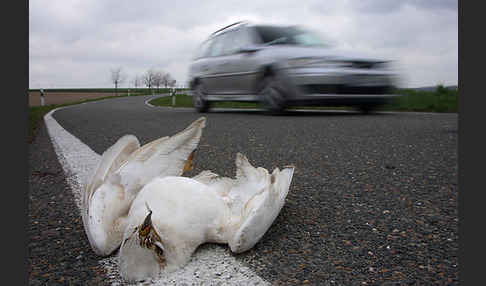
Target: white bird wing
{"points": [[95, 201], [167, 156], [111, 160], [123, 170], [254, 198], [262, 197]]}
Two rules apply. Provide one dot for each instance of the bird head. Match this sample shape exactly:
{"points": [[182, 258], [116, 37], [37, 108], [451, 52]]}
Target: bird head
{"points": [[150, 239], [142, 252]]}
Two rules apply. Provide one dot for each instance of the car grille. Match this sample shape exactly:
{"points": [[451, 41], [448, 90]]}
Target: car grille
{"points": [[344, 89]]}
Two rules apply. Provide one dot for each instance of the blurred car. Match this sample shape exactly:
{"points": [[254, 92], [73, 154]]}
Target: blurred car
{"points": [[283, 66]]}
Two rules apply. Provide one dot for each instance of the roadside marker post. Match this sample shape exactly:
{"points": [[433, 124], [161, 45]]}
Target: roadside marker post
{"points": [[42, 97], [173, 97]]}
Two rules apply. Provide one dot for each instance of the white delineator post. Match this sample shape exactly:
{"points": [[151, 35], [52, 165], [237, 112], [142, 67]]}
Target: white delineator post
{"points": [[42, 97], [173, 98]]}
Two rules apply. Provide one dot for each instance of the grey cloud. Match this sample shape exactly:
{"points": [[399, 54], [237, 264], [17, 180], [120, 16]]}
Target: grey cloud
{"points": [[390, 6], [435, 4], [89, 37], [378, 6]]}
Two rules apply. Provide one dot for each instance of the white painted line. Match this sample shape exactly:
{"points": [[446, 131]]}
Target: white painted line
{"points": [[154, 97], [211, 264]]}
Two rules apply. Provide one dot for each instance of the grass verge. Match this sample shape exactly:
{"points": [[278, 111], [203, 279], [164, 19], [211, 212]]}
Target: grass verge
{"points": [[440, 100], [183, 100]]}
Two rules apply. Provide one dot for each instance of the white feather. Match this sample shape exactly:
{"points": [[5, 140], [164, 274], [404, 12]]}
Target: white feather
{"points": [[123, 170]]}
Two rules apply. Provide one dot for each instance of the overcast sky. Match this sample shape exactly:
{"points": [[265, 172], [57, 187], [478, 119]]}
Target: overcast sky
{"points": [[75, 43]]}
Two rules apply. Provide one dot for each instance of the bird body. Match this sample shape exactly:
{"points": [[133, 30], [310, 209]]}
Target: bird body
{"points": [[137, 201], [123, 170], [185, 214], [182, 213]]}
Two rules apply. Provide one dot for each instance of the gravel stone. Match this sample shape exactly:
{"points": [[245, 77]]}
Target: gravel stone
{"points": [[58, 249]]}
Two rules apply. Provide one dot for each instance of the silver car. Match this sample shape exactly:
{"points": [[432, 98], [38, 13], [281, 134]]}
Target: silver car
{"points": [[283, 66]]}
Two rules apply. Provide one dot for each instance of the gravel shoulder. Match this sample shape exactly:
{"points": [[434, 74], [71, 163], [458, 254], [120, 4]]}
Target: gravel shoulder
{"points": [[58, 249]]}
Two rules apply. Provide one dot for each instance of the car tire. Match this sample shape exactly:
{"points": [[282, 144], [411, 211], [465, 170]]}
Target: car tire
{"points": [[271, 96], [366, 109], [198, 99]]}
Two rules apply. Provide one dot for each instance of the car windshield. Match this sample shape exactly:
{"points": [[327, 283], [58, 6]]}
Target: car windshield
{"points": [[274, 35]]}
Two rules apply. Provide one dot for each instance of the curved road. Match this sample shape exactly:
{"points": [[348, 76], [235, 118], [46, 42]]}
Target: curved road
{"points": [[373, 198]]}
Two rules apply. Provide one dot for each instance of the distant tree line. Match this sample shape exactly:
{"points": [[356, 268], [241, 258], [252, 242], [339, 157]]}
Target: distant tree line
{"points": [[151, 78]]}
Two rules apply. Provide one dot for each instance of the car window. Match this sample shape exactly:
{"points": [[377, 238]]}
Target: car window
{"points": [[228, 43], [216, 48], [203, 50], [241, 39], [274, 35]]}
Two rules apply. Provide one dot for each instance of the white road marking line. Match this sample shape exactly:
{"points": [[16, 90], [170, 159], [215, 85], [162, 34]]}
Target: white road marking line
{"points": [[211, 264], [154, 97]]}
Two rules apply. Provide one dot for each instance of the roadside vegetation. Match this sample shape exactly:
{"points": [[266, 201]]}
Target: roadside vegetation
{"points": [[440, 100], [184, 100]]}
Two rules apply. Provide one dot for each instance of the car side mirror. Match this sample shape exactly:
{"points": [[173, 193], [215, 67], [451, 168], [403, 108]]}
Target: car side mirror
{"points": [[249, 49]]}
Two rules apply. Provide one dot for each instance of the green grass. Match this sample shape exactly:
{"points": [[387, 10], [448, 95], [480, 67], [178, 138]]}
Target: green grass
{"points": [[183, 100], [36, 114], [440, 100]]}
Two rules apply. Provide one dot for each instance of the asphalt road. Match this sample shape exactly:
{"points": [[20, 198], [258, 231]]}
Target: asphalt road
{"points": [[374, 198]]}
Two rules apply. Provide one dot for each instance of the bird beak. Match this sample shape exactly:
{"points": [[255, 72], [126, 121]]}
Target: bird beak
{"points": [[150, 239], [146, 226]]}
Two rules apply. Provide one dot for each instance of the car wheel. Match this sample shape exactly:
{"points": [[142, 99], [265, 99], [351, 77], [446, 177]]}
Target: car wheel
{"points": [[198, 99], [271, 95], [366, 108]]}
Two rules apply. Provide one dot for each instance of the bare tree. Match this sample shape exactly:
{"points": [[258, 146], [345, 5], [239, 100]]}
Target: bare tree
{"points": [[117, 77], [167, 79], [172, 83], [158, 78], [148, 78], [137, 81]]}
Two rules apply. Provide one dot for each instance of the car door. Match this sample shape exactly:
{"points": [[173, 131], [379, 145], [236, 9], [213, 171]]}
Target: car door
{"points": [[240, 68], [198, 68], [213, 67]]}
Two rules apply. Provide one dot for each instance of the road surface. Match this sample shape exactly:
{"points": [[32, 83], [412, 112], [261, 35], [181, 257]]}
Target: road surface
{"points": [[373, 199]]}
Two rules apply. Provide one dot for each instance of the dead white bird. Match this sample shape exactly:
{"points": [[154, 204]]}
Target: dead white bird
{"points": [[123, 170], [172, 216]]}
